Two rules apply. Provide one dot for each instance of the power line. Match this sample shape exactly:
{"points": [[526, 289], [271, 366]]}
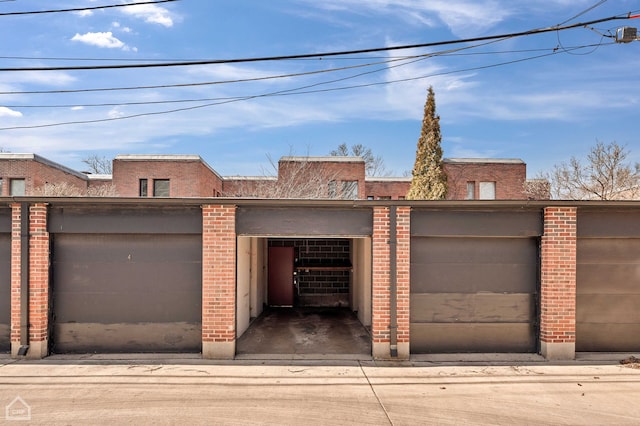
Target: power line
{"points": [[81, 9], [324, 54], [287, 92], [447, 53]]}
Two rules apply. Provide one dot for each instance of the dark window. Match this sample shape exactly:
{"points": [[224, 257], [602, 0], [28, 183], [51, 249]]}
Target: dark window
{"points": [[144, 188], [17, 187], [350, 189], [1, 187], [333, 191], [384, 197], [471, 191], [161, 187]]}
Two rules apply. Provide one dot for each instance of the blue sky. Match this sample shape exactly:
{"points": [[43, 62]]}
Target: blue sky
{"points": [[542, 110]]}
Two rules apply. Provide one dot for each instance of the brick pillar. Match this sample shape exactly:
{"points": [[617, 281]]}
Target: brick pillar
{"points": [[38, 282], [218, 282], [381, 294], [403, 279], [15, 277], [38, 327], [558, 284]]}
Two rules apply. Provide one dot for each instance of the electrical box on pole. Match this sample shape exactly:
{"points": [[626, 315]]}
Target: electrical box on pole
{"points": [[626, 35]]}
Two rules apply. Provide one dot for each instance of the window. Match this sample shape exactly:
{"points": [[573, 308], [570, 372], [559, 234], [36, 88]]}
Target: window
{"points": [[17, 187], [471, 191], [332, 189], [1, 187], [350, 189], [384, 197], [161, 187], [370, 197], [487, 190], [144, 188]]}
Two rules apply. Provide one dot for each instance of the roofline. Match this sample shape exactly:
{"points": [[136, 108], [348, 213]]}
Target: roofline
{"points": [[324, 159], [45, 161], [483, 160], [285, 202], [403, 179]]}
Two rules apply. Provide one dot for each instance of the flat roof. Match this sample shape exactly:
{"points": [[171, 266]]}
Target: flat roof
{"points": [[484, 160], [388, 179], [274, 178], [325, 159]]}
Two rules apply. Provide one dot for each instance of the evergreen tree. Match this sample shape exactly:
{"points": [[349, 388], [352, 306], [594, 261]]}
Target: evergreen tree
{"points": [[429, 181]]}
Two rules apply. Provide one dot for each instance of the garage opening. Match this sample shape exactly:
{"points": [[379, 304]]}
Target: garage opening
{"points": [[304, 296]]}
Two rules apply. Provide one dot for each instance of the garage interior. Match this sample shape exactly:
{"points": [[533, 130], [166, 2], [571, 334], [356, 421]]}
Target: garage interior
{"points": [[303, 296]]}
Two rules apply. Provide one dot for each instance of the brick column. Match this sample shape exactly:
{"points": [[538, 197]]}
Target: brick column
{"points": [[218, 282], [38, 327], [403, 279], [15, 277], [38, 282], [381, 294], [558, 284]]}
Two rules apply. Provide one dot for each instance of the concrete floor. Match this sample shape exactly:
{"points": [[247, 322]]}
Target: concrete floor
{"points": [[305, 332]]}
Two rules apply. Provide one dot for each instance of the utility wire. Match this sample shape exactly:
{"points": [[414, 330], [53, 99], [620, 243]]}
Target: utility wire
{"points": [[288, 92], [324, 54], [455, 52], [80, 9], [245, 80]]}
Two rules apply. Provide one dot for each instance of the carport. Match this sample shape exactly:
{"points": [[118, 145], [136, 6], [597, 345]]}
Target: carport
{"points": [[303, 271]]}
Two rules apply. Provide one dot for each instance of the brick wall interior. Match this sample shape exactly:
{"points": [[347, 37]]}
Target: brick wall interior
{"points": [[320, 287]]}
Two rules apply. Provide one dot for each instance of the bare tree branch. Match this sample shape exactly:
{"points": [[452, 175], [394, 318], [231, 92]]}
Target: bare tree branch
{"points": [[98, 165], [603, 176]]}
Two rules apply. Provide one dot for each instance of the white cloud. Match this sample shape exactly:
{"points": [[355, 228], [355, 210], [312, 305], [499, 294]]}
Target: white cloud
{"points": [[49, 78], [7, 112], [151, 13], [100, 39], [77, 108], [83, 13], [463, 17]]}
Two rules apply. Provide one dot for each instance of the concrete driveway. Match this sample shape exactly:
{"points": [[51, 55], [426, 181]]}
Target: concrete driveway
{"points": [[65, 391]]}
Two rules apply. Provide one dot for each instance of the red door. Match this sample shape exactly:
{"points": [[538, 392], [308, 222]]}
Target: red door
{"points": [[280, 287]]}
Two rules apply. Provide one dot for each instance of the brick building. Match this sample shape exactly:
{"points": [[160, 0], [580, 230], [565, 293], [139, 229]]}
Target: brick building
{"points": [[331, 177], [165, 176], [28, 174], [190, 275]]}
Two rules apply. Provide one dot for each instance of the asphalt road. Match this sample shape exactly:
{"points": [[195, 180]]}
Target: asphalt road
{"points": [[59, 392]]}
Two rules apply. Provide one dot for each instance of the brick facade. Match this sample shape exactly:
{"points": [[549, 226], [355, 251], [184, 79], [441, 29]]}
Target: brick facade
{"points": [[37, 172], [218, 282], [508, 175], [188, 175], [389, 188], [558, 283]]}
